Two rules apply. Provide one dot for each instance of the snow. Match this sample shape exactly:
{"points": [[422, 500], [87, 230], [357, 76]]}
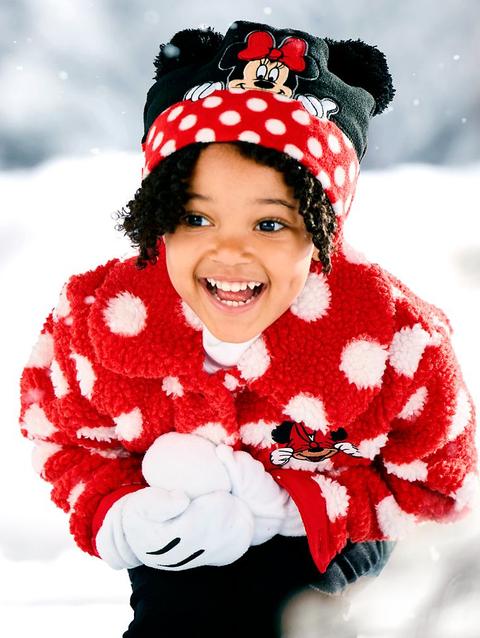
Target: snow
{"points": [[418, 221]]}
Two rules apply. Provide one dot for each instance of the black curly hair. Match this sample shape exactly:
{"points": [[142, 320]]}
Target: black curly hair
{"points": [[158, 205]]}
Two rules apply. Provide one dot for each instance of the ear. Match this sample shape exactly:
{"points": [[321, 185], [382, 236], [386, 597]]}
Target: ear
{"points": [[190, 46], [360, 64]]}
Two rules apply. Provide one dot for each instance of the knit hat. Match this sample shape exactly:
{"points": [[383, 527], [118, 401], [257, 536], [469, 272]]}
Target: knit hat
{"points": [[309, 97]]}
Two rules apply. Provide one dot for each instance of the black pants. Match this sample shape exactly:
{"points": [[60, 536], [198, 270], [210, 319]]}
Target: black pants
{"points": [[245, 598]]}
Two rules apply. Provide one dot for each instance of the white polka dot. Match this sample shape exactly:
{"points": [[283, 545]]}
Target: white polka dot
{"points": [[41, 452], [314, 300], [42, 352], [86, 376], [75, 494], [254, 361], [157, 141], [63, 308], [282, 98], [230, 382], [302, 117], [338, 207], [258, 433], [129, 424], [353, 255], [363, 362], [339, 176], [192, 319], [58, 379], [187, 122], [99, 433], [309, 409], [324, 180], [406, 349], [151, 133], [205, 135], [414, 406], [230, 118], [314, 147], [414, 471], [352, 171], [333, 143], [347, 140], [236, 90], [89, 299], [335, 495], [36, 423], [369, 448], [172, 387], [168, 148], [249, 136], [214, 432], [462, 416], [394, 522], [174, 113], [125, 314], [256, 104], [276, 127], [212, 101], [293, 151]]}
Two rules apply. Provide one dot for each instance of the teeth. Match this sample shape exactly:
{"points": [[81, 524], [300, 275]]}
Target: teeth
{"points": [[233, 286], [235, 304]]}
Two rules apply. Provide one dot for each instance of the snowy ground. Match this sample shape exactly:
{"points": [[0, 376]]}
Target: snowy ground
{"points": [[419, 222]]}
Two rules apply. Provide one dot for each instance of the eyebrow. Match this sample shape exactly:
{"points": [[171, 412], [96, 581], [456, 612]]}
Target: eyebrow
{"points": [[261, 200]]}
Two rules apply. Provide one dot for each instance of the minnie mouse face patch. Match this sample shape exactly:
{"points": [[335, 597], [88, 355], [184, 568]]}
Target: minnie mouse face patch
{"points": [[256, 63], [310, 446]]}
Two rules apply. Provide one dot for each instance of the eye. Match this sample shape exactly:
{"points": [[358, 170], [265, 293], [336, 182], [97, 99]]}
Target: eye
{"points": [[262, 71], [273, 75], [187, 219], [271, 221]]}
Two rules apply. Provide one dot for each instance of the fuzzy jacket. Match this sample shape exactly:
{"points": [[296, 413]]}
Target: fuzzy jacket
{"points": [[353, 399]]}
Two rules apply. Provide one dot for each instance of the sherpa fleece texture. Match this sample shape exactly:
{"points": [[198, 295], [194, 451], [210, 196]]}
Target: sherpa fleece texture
{"points": [[359, 364]]}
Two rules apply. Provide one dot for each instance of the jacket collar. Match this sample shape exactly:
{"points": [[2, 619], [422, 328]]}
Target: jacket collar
{"points": [[140, 327]]}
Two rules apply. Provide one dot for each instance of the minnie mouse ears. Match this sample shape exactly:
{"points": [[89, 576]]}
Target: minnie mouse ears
{"points": [[309, 97]]}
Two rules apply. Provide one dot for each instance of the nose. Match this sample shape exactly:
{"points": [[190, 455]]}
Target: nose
{"points": [[264, 84], [231, 247]]}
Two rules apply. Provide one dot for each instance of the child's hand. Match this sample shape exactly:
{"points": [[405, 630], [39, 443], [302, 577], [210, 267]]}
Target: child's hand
{"points": [[195, 465], [165, 530]]}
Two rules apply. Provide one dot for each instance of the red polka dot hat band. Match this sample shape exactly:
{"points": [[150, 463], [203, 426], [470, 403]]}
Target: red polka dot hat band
{"points": [[285, 89], [263, 118]]}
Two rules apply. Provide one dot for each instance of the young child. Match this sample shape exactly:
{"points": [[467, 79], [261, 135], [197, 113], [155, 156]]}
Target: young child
{"points": [[248, 408]]}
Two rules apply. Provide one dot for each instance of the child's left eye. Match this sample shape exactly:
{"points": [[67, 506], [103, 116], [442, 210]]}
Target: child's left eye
{"points": [[271, 225]]}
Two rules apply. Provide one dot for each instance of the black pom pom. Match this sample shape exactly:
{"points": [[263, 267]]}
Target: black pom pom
{"points": [[190, 46], [360, 64]]}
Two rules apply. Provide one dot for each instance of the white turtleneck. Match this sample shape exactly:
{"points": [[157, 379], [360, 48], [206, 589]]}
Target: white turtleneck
{"points": [[222, 354]]}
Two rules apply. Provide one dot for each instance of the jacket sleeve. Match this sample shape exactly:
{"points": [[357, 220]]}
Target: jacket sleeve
{"points": [[77, 415], [417, 440]]}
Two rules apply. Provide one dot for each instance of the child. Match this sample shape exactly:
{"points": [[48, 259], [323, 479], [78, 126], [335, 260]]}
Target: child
{"points": [[249, 407]]}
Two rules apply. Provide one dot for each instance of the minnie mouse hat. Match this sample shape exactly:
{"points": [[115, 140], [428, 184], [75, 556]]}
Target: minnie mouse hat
{"points": [[309, 97]]}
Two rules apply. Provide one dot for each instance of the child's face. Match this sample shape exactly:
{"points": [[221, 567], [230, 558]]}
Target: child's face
{"points": [[221, 237]]}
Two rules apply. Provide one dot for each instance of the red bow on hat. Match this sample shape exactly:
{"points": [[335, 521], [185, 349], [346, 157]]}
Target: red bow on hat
{"points": [[261, 44]]}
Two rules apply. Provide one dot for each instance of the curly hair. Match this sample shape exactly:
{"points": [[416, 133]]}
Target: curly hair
{"points": [[158, 205]]}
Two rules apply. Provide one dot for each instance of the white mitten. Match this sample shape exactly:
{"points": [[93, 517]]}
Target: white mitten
{"points": [[256, 487], [112, 545], [206, 467], [166, 530]]}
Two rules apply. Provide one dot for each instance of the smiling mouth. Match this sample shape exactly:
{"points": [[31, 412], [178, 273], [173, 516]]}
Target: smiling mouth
{"points": [[233, 299]]}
